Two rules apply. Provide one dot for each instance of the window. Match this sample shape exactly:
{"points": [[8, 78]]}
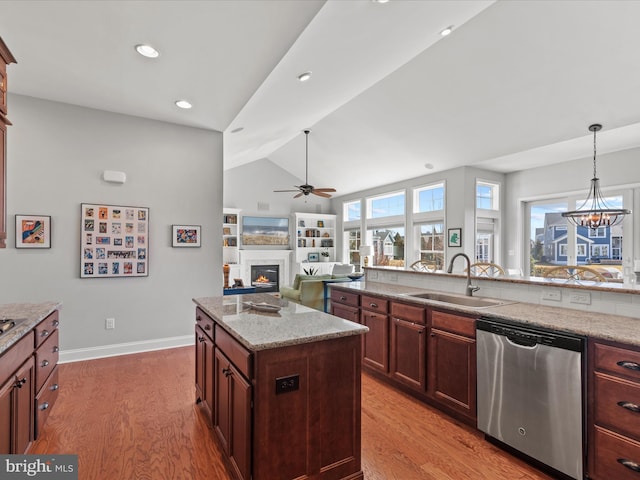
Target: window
{"points": [[600, 232], [352, 247], [388, 245], [545, 236], [599, 251], [351, 210], [581, 249], [487, 195], [387, 205], [485, 235], [428, 199], [432, 244]]}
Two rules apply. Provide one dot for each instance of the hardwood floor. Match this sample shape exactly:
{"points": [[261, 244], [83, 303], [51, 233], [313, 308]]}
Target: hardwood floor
{"points": [[134, 417]]}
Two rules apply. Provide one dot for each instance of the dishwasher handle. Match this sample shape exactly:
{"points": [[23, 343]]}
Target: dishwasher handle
{"points": [[522, 341]]}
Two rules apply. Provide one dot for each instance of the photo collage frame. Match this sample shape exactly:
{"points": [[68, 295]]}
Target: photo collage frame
{"points": [[114, 241]]}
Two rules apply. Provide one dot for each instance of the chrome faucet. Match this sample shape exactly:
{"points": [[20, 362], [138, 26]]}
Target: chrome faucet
{"points": [[470, 288]]}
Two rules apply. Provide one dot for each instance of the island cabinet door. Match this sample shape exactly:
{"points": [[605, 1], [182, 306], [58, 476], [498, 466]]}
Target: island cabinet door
{"points": [[375, 347], [232, 414], [408, 354], [204, 372]]}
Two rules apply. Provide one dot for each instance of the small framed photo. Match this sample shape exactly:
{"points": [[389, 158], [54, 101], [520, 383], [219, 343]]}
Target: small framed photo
{"points": [[185, 235], [237, 282], [33, 231], [313, 257], [320, 223], [226, 230], [455, 237]]}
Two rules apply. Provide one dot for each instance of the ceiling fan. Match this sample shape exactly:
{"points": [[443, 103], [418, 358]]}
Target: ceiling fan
{"points": [[306, 189]]}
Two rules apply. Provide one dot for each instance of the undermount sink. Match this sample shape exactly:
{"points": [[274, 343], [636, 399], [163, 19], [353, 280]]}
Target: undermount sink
{"points": [[476, 302]]}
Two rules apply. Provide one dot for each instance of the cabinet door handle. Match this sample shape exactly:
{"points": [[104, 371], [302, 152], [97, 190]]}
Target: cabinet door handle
{"points": [[635, 466], [629, 365], [21, 382], [44, 363], [55, 323], [207, 326], [198, 318], [44, 406], [226, 371], [56, 349], [201, 339], [629, 406], [44, 333], [343, 298], [373, 305], [54, 387]]}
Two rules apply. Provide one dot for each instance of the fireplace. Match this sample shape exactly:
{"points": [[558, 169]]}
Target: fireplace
{"points": [[265, 278]]}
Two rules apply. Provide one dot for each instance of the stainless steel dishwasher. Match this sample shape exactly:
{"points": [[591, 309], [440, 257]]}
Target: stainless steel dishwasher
{"points": [[530, 392]]}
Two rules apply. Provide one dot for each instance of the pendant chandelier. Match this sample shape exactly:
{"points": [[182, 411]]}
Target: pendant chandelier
{"points": [[595, 212]]}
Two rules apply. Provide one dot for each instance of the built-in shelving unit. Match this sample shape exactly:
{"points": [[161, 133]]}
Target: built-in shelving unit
{"points": [[230, 238], [315, 235]]}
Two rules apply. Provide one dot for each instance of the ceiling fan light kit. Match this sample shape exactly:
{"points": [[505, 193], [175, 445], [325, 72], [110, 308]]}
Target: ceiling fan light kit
{"points": [[595, 212], [305, 189]]}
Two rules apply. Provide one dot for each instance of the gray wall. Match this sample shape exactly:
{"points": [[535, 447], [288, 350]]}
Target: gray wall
{"points": [[56, 154]]}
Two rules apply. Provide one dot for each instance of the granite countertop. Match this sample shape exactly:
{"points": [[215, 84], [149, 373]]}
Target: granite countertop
{"points": [[592, 324], [28, 315], [293, 324]]}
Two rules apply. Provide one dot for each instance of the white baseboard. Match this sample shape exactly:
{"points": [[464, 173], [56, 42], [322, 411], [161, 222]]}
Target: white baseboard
{"points": [[91, 353]]}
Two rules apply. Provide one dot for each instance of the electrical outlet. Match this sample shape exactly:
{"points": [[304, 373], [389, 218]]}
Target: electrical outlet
{"points": [[287, 384], [110, 323], [554, 295], [582, 298]]}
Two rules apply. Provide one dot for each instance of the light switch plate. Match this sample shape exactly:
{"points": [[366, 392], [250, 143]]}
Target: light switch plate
{"points": [[554, 295]]}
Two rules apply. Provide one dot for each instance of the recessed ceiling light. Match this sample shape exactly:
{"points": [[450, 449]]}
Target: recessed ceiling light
{"points": [[447, 31], [428, 166], [236, 130], [303, 77], [147, 51], [183, 104], [380, 1]]}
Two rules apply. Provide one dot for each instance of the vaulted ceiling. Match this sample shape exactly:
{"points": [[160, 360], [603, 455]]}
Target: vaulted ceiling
{"points": [[514, 86]]}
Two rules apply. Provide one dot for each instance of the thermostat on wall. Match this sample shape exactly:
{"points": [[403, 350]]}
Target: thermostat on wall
{"points": [[114, 177]]}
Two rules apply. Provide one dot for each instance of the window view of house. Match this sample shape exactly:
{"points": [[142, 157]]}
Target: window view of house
{"points": [[388, 246], [352, 243], [432, 244], [487, 221], [555, 242]]}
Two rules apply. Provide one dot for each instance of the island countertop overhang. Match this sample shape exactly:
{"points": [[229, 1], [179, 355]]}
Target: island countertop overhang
{"points": [[293, 324]]}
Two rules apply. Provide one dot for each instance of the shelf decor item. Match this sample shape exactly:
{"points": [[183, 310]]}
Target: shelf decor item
{"points": [[185, 235], [114, 241], [313, 257], [455, 237], [33, 231]]}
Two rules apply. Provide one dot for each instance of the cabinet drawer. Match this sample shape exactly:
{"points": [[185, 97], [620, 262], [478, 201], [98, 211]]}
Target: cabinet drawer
{"points": [[618, 404], [410, 313], [15, 356], [454, 323], [616, 457], [46, 358], [239, 356], [45, 399], [340, 296], [205, 322], [374, 304], [46, 328], [344, 311], [618, 361]]}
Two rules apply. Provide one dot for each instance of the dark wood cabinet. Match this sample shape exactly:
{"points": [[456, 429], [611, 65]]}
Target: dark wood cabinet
{"points": [[17, 383], [375, 346], [284, 412], [613, 411], [205, 362], [232, 415], [6, 58], [408, 345], [452, 362]]}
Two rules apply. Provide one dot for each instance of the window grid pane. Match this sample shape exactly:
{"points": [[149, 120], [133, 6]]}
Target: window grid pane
{"points": [[385, 205]]}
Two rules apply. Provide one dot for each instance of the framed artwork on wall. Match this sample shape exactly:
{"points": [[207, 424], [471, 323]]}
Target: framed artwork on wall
{"points": [[185, 235], [114, 241], [455, 237], [33, 231]]}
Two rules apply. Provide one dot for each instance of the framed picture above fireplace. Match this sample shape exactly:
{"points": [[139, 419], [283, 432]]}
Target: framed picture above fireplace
{"points": [[265, 231]]}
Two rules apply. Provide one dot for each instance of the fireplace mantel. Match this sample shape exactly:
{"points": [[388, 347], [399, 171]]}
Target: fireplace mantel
{"points": [[267, 257]]}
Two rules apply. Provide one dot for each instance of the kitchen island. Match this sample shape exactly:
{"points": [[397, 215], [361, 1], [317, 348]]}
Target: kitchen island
{"points": [[280, 384]]}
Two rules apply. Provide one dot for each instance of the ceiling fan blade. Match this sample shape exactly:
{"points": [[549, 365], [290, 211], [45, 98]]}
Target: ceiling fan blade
{"points": [[298, 195], [325, 189], [320, 194], [287, 190]]}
